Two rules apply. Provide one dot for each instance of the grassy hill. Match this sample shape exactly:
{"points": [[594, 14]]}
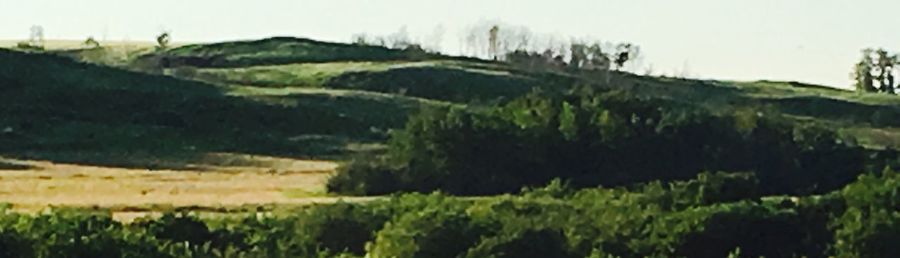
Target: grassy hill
{"points": [[283, 50], [58, 109], [299, 97]]}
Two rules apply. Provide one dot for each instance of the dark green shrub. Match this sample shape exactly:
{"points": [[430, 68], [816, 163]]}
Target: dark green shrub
{"points": [[870, 227], [435, 232], [177, 227], [13, 244], [340, 227], [527, 243], [754, 229], [608, 139], [365, 177]]}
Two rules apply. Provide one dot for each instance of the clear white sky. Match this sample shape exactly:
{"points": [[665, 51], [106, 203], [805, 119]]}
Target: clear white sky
{"points": [[806, 40]]}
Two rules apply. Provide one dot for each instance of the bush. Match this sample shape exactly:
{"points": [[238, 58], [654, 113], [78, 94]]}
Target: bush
{"points": [[680, 219], [364, 177], [608, 139], [527, 243], [341, 227], [751, 228], [434, 232], [870, 227]]}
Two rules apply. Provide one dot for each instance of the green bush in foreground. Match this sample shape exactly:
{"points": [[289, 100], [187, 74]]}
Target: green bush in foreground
{"points": [[678, 219]]}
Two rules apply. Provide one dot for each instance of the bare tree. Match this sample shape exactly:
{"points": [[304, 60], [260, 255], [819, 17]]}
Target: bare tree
{"points": [[436, 39], [90, 42], [36, 38], [399, 39], [578, 55], [494, 45], [360, 39]]}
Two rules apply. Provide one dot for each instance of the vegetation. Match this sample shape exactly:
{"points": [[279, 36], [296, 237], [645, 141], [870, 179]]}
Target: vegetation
{"points": [[612, 164], [606, 139], [70, 107], [163, 41], [281, 51], [876, 71], [710, 216]]}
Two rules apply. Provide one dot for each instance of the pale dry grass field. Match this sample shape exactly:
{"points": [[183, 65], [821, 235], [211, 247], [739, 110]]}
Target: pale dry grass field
{"points": [[260, 181]]}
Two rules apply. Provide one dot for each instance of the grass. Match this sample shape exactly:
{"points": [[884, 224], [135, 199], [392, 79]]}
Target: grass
{"points": [[55, 184], [281, 50], [453, 81], [72, 112], [301, 74]]}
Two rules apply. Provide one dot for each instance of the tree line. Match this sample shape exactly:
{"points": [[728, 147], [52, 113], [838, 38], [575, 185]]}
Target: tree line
{"points": [[601, 138]]}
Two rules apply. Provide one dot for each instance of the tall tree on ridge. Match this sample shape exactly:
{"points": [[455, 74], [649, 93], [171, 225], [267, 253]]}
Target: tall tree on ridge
{"points": [[862, 73], [494, 46], [885, 64]]}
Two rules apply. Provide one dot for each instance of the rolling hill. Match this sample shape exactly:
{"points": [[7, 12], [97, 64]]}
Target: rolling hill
{"points": [[870, 119], [58, 109], [305, 98]]}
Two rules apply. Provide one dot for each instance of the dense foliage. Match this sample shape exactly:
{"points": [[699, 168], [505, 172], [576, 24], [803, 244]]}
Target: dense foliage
{"points": [[605, 139], [714, 215]]}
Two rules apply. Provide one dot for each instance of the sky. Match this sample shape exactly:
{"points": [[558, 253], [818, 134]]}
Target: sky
{"points": [[815, 41]]}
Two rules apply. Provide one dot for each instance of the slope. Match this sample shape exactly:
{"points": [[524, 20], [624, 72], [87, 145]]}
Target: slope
{"points": [[287, 63], [57, 109]]}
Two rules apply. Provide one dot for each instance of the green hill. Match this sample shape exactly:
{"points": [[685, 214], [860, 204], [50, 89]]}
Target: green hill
{"points": [[299, 97], [289, 63], [282, 50], [58, 109]]}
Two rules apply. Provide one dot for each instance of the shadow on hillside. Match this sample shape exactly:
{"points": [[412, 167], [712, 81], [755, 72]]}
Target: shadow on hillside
{"points": [[59, 110], [13, 166], [190, 158], [441, 83], [841, 110]]}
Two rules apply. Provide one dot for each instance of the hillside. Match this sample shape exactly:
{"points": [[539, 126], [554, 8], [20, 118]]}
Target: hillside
{"points": [[61, 110], [869, 118], [299, 97], [233, 149]]}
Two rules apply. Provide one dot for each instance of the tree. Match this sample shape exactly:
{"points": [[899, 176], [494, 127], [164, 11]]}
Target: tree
{"points": [[360, 39], [90, 42], [579, 55], [862, 73], [494, 46], [36, 39], [598, 59], [885, 65], [436, 38], [626, 52], [163, 41], [399, 39]]}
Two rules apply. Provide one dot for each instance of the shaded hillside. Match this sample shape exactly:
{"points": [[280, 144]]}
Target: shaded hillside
{"points": [[440, 80], [58, 109], [291, 63]]}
